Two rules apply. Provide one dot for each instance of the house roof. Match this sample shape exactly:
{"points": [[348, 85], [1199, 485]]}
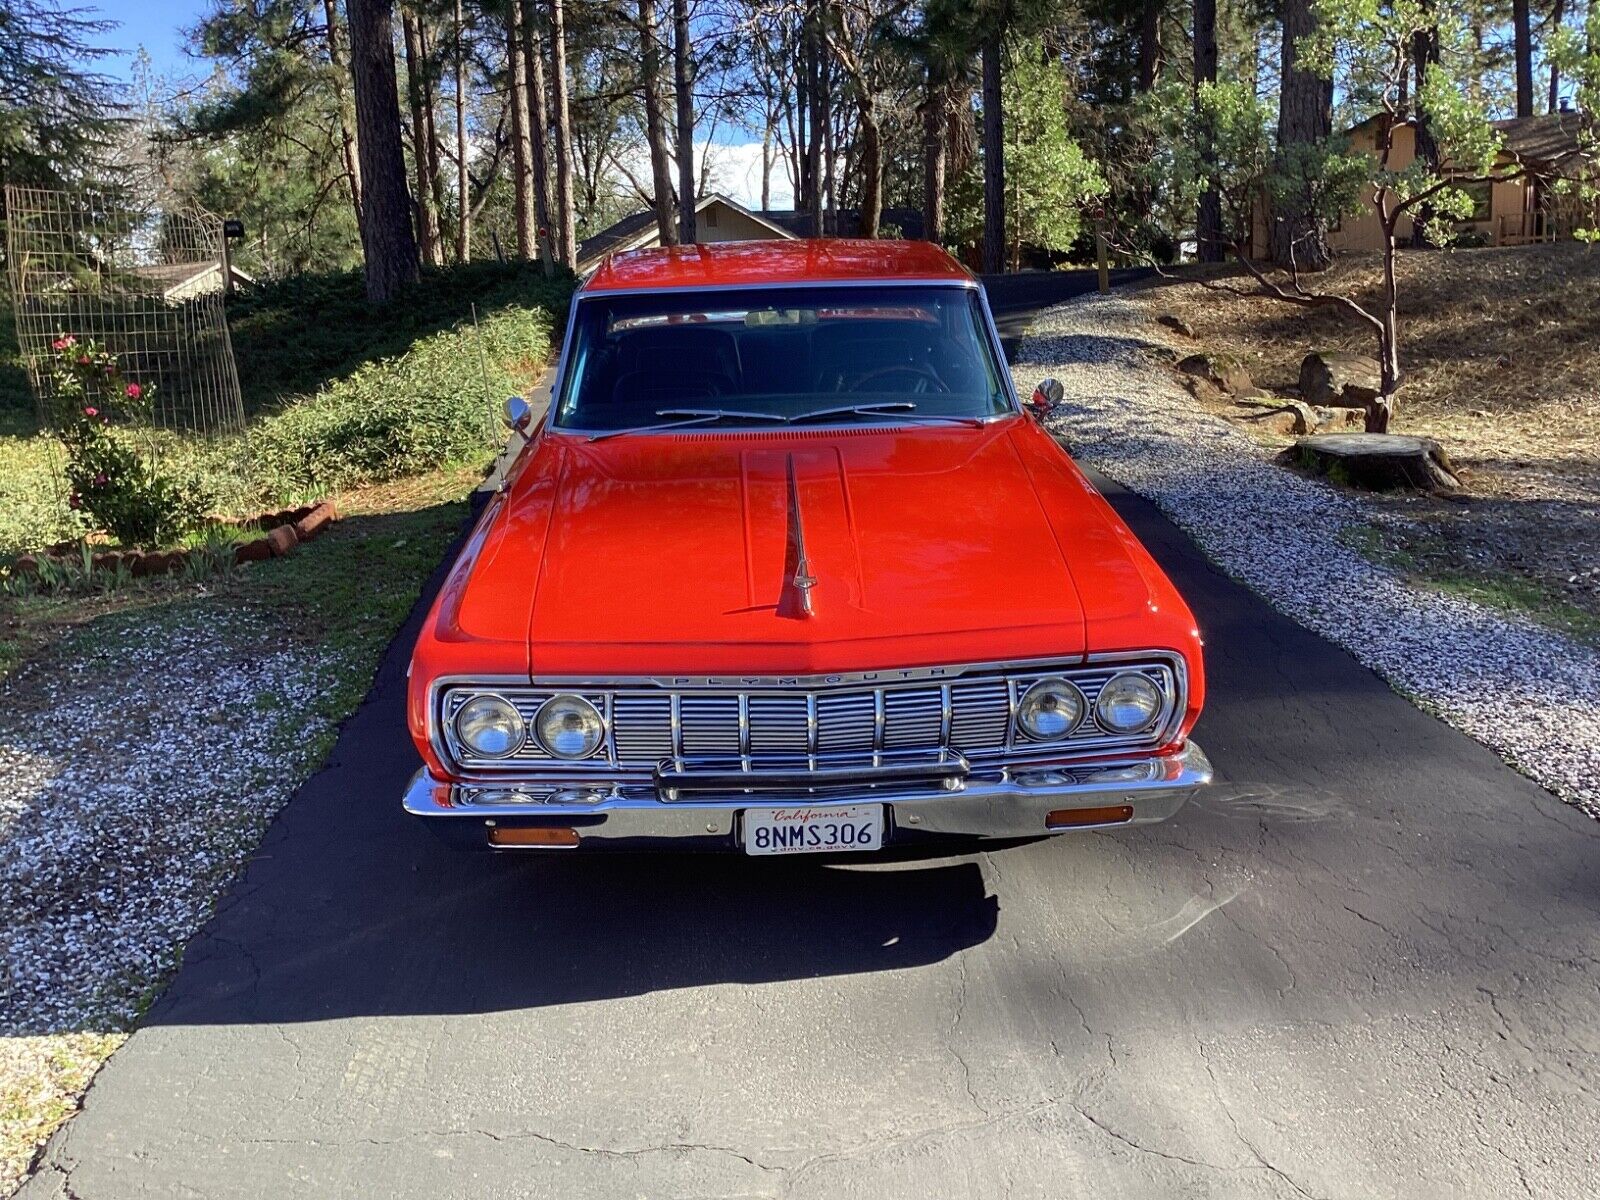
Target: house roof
{"points": [[822, 260], [798, 220], [639, 228], [170, 277], [1546, 140]]}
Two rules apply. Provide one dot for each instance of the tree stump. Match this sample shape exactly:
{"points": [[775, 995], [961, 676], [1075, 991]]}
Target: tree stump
{"points": [[1378, 461]]}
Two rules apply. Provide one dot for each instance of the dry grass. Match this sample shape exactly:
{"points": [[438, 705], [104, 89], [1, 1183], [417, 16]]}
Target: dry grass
{"points": [[1500, 350]]}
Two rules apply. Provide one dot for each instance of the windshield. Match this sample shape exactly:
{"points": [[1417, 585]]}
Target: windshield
{"points": [[831, 355]]}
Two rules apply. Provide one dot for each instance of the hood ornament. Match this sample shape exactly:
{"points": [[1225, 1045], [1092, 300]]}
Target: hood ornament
{"points": [[795, 602]]}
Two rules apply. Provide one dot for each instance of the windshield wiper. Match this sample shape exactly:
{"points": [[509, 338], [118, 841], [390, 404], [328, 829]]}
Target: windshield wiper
{"points": [[884, 408], [689, 416]]}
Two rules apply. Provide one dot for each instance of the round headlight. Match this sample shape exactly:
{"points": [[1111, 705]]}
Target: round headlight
{"points": [[1050, 710], [569, 727], [489, 726], [1128, 703]]}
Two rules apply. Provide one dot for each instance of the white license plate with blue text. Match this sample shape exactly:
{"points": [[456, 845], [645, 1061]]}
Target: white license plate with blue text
{"points": [[803, 830]]}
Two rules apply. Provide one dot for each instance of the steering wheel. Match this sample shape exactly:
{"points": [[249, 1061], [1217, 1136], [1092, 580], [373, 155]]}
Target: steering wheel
{"points": [[925, 380]]}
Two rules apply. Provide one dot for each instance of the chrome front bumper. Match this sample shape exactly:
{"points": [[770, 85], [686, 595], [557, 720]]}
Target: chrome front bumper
{"points": [[1015, 802]]}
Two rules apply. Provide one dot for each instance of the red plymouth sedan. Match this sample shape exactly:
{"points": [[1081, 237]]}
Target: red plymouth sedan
{"points": [[787, 568]]}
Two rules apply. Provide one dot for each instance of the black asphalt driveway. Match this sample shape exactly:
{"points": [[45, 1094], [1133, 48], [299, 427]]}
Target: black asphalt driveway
{"points": [[1365, 964]]}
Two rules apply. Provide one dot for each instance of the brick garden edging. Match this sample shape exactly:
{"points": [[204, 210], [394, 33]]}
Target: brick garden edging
{"points": [[283, 530]]}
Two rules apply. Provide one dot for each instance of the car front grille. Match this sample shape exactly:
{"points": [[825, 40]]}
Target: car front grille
{"points": [[968, 712]]}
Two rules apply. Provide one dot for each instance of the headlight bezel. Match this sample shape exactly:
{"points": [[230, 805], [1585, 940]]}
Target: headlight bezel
{"points": [[583, 704], [1048, 684], [1132, 678], [517, 721]]}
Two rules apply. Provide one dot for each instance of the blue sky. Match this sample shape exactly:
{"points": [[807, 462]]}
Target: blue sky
{"points": [[156, 25]]}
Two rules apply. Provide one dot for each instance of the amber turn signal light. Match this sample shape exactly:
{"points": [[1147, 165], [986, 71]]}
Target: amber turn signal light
{"points": [[1067, 818], [549, 839]]}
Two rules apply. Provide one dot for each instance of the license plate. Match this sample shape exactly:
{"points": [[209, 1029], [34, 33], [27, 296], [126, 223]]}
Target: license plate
{"points": [[813, 830]]}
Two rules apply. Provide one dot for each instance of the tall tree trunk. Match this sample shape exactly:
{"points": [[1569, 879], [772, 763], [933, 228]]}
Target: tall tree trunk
{"points": [[388, 248], [1208, 215], [1424, 57], [538, 122], [814, 41], [994, 162], [521, 137], [1305, 116], [871, 141], [463, 180], [423, 144], [933, 161], [766, 164], [830, 153], [655, 125], [347, 116], [681, 82], [1150, 43], [566, 233], [1522, 40], [1558, 11]]}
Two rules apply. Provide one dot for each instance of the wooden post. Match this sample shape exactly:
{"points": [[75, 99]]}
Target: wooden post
{"points": [[1100, 253], [226, 263]]}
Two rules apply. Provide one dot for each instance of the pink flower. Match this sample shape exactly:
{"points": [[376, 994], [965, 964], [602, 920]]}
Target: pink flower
{"points": [[61, 343], [83, 360], [100, 479], [134, 391], [91, 411], [74, 501]]}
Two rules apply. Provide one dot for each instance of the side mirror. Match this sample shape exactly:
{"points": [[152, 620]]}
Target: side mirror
{"points": [[1046, 396], [518, 415]]}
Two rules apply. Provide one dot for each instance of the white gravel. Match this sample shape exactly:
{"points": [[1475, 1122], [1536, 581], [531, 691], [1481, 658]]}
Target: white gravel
{"points": [[1529, 693], [137, 780]]}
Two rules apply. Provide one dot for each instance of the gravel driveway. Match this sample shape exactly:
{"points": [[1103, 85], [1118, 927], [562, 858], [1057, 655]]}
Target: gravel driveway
{"points": [[1531, 694]]}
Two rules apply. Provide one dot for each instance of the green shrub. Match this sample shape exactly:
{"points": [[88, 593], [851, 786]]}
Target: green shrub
{"points": [[431, 406]]}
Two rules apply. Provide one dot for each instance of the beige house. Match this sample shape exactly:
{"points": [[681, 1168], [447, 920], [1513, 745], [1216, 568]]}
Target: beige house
{"points": [[1513, 213], [717, 219]]}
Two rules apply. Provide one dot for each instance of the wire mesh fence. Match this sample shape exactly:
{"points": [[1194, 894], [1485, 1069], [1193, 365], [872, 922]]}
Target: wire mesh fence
{"points": [[145, 280]]}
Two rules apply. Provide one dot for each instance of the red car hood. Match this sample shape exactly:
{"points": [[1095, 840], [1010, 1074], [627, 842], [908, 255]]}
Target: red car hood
{"points": [[677, 554]]}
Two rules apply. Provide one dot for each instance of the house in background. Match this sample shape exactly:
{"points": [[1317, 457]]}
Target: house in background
{"points": [[177, 282], [717, 219], [1513, 213]]}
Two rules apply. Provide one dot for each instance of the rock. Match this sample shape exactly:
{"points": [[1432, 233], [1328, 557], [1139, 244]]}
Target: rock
{"points": [[315, 521], [1222, 374], [1379, 461], [281, 540], [1176, 324], [1340, 380], [1284, 418], [254, 550]]}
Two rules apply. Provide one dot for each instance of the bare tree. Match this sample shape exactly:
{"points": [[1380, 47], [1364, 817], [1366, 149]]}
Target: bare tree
{"points": [[424, 138], [347, 116], [388, 247], [538, 123], [1208, 215], [682, 80], [655, 130], [521, 134], [463, 183], [1558, 12], [566, 234], [994, 164]]}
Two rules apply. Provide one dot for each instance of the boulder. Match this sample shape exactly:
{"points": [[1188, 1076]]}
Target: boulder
{"points": [[1339, 380], [1283, 417], [1379, 461], [1177, 324], [1222, 374]]}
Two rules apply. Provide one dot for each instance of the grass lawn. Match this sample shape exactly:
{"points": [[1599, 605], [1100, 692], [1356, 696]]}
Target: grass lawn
{"points": [[1500, 350], [339, 600]]}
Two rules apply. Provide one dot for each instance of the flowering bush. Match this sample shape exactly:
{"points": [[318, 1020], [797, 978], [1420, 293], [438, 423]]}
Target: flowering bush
{"points": [[122, 490]]}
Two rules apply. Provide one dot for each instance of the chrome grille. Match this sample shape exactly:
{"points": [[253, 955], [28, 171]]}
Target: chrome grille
{"points": [[970, 713]]}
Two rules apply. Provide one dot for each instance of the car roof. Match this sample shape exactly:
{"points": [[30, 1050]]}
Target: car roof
{"points": [[777, 262]]}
